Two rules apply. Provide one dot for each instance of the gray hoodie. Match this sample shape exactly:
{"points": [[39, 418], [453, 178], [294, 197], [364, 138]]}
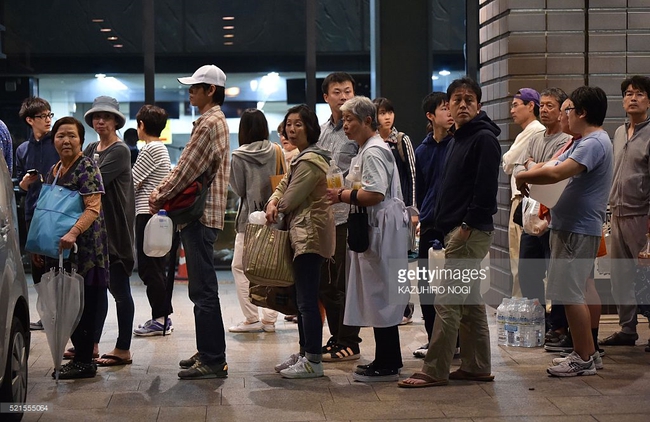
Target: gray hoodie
{"points": [[630, 194], [250, 169]]}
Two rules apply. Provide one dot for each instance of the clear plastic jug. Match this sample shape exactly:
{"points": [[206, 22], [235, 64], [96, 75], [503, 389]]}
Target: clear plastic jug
{"points": [[158, 235], [334, 176]]}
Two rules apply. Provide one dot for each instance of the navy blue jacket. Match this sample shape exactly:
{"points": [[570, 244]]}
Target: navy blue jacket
{"points": [[468, 192], [429, 165], [40, 155]]}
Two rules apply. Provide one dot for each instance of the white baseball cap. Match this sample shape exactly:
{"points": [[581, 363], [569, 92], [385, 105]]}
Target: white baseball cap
{"points": [[208, 74]]}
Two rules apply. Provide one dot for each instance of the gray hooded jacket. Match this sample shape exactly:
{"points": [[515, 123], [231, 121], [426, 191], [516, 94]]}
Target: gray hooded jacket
{"points": [[250, 169]]}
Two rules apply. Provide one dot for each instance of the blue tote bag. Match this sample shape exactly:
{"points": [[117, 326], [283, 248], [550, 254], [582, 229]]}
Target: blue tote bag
{"points": [[57, 210]]}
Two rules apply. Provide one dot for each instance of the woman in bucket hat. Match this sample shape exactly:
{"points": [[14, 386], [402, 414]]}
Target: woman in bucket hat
{"points": [[114, 160]]}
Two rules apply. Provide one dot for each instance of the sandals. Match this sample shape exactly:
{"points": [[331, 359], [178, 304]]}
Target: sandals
{"points": [[460, 375], [114, 361], [421, 376], [340, 353]]}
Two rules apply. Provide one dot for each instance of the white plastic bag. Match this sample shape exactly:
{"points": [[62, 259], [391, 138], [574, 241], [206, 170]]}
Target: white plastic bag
{"points": [[257, 217], [533, 225]]}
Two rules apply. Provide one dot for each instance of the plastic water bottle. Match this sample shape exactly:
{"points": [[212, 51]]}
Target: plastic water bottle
{"points": [[502, 315], [539, 323], [158, 235], [512, 325], [334, 176], [527, 332], [355, 177], [436, 260]]}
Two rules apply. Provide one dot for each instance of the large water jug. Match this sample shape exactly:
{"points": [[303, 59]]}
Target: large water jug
{"points": [[548, 195], [158, 235]]}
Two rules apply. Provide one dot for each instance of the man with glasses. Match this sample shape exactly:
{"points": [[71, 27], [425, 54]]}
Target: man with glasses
{"points": [[524, 110], [576, 221], [628, 201], [6, 145], [208, 150], [37, 153]]}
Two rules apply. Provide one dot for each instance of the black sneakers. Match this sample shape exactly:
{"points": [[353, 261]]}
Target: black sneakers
{"points": [[76, 370], [187, 363], [620, 338], [200, 371], [368, 373], [564, 345]]}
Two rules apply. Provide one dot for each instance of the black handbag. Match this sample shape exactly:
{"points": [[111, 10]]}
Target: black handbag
{"points": [[358, 236]]}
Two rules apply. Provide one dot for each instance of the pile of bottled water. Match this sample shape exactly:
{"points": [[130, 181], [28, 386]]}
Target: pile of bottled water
{"points": [[520, 322]]}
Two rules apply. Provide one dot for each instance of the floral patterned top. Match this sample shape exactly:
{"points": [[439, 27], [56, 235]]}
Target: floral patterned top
{"points": [[92, 255]]}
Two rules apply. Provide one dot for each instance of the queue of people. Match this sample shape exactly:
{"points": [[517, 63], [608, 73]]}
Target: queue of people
{"points": [[452, 178]]}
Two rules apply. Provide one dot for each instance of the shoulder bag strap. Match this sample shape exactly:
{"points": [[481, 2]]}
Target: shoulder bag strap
{"points": [[280, 165]]}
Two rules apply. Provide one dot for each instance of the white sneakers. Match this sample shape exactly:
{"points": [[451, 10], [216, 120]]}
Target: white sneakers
{"points": [[292, 360], [303, 368], [573, 365], [252, 327], [598, 360]]}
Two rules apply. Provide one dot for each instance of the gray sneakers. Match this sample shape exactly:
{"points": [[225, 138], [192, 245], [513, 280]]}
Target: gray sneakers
{"points": [[572, 366], [303, 368]]}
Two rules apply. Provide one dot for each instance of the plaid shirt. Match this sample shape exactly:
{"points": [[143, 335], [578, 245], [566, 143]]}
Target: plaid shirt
{"points": [[208, 148]]}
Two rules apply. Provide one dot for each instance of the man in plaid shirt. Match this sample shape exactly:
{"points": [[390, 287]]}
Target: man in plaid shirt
{"points": [[207, 150]]}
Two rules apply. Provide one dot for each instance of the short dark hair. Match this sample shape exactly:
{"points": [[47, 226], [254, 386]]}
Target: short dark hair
{"points": [[432, 101], [131, 137], [31, 106], [309, 119], [68, 120], [591, 100], [385, 103], [153, 118], [219, 95], [642, 83], [253, 127], [336, 78], [465, 82], [558, 94]]}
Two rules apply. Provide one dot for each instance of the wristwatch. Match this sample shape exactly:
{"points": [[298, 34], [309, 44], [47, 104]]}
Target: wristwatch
{"points": [[464, 226]]}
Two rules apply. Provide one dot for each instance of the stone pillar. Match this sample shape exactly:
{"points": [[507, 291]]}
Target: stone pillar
{"points": [[553, 43]]}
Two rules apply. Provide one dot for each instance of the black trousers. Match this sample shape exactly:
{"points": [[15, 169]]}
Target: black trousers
{"points": [[83, 336], [332, 292], [152, 272], [388, 354]]}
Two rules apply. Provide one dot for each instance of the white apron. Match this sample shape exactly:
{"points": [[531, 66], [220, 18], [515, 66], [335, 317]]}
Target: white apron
{"points": [[369, 301]]}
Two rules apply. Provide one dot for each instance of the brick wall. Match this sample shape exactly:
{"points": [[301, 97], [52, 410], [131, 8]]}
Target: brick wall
{"points": [[554, 43]]}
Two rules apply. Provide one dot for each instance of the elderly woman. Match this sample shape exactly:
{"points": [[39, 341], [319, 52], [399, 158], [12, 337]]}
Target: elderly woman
{"points": [[151, 167], [114, 160], [79, 173], [371, 299], [300, 196]]}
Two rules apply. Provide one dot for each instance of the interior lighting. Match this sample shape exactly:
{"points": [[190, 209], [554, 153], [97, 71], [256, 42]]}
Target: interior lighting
{"points": [[118, 45], [228, 43], [112, 38], [228, 18], [233, 91], [434, 78], [105, 30], [228, 27], [444, 73], [100, 75], [229, 36], [270, 83], [97, 20]]}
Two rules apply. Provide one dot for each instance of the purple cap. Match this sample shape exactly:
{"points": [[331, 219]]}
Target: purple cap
{"points": [[528, 94]]}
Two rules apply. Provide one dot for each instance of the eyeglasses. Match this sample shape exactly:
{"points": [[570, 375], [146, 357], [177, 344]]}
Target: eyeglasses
{"points": [[568, 109], [44, 116]]}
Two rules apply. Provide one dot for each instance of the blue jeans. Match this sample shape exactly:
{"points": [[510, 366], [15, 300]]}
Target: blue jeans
{"points": [[310, 324], [198, 241]]}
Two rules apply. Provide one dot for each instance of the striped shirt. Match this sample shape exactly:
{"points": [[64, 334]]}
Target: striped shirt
{"points": [[150, 168], [207, 149]]}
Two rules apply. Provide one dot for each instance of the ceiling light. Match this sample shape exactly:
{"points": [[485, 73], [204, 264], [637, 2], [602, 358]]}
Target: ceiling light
{"points": [[228, 18], [228, 43], [118, 45], [112, 38], [444, 73], [98, 20], [229, 36], [434, 78], [100, 75], [228, 27], [105, 30]]}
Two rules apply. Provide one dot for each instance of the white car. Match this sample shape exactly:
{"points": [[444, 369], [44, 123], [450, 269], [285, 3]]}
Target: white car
{"points": [[14, 304]]}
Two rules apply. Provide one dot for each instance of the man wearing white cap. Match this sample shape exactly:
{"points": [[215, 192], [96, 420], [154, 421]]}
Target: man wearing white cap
{"points": [[207, 151]]}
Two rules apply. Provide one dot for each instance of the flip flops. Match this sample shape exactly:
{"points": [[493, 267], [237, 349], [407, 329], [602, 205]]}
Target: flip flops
{"points": [[421, 376], [460, 375], [114, 361]]}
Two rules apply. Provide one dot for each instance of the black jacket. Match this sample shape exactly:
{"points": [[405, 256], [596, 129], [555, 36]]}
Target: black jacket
{"points": [[470, 179]]}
